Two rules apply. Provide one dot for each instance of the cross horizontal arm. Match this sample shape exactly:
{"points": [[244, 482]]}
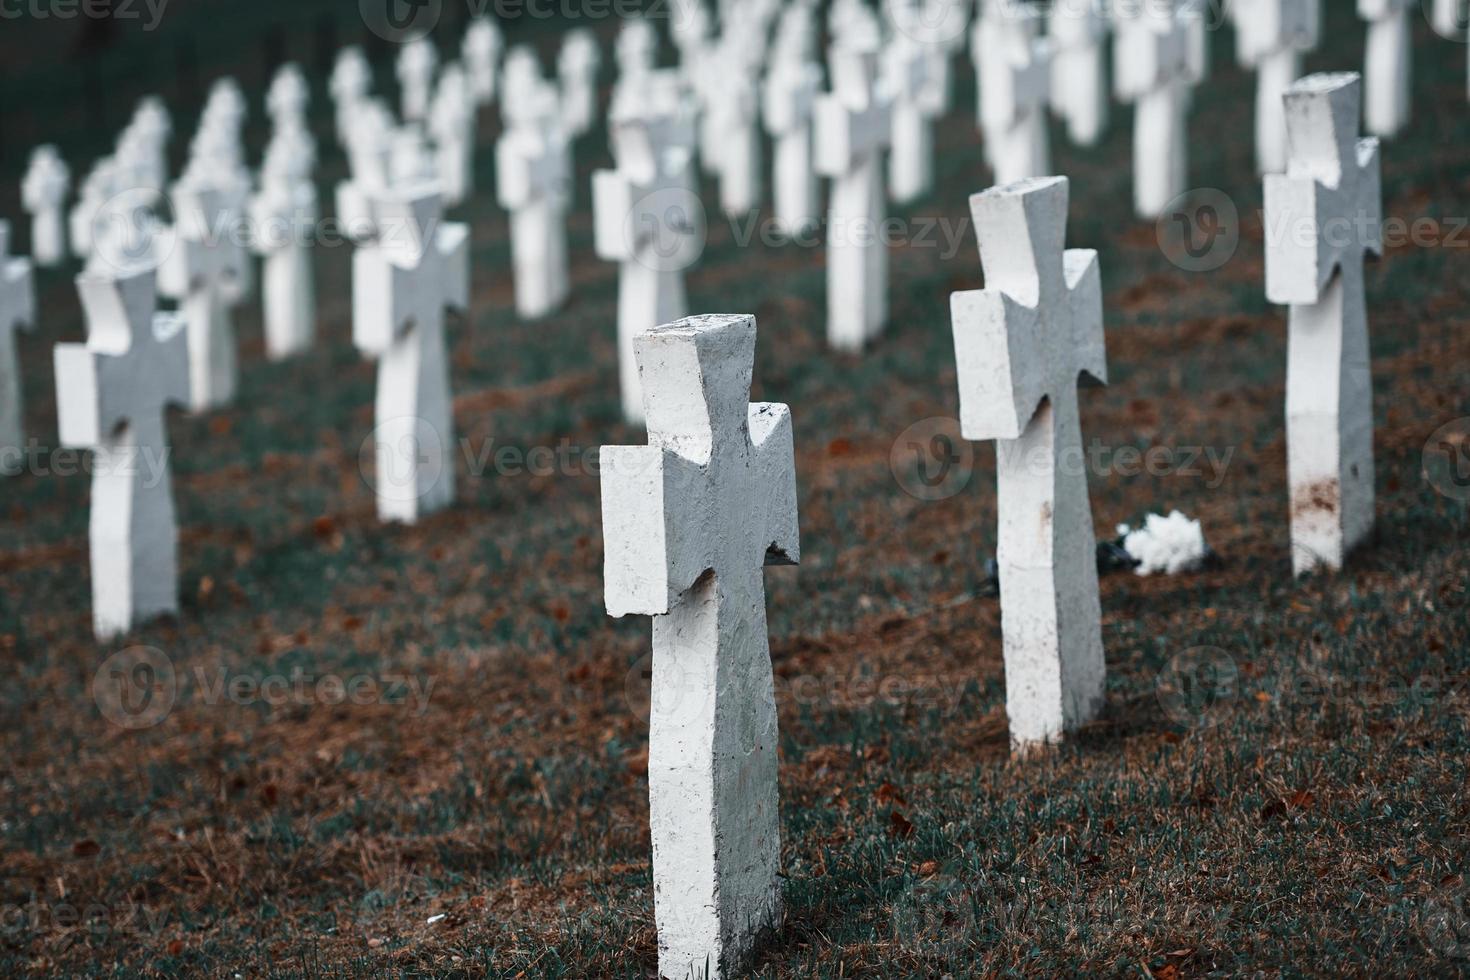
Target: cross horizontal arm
{"points": [[656, 533]]}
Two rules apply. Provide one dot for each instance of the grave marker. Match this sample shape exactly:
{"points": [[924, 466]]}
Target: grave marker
{"points": [[43, 194], [533, 170], [480, 51], [111, 394], [17, 312], [1324, 215], [402, 282], [416, 66], [1386, 66], [1020, 346], [853, 125], [283, 213], [1013, 65], [1079, 88], [1271, 36], [576, 67], [1159, 57], [790, 96], [689, 521]]}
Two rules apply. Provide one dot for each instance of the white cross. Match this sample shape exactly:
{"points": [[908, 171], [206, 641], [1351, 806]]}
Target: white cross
{"points": [[1020, 346], [351, 80], [533, 172], [688, 522], [1079, 88], [43, 193], [452, 123], [789, 99], [576, 67], [1322, 216], [1271, 36], [521, 75], [283, 214], [402, 282], [111, 393], [1013, 66], [369, 145], [288, 97], [203, 269], [481, 53], [648, 219], [636, 53], [415, 68], [17, 312], [1159, 56], [1387, 65], [853, 124], [732, 129], [908, 75]]}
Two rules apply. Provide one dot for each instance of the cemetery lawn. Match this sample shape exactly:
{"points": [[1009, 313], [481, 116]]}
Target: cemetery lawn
{"points": [[1301, 810]]}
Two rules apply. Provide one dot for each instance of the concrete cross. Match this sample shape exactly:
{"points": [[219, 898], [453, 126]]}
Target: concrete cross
{"points": [[481, 53], [648, 219], [1271, 36], [351, 80], [288, 97], [533, 181], [452, 124], [369, 144], [416, 66], [731, 129], [111, 395], [853, 125], [576, 67], [788, 102], [688, 522], [1159, 56], [402, 282], [636, 53], [17, 312], [283, 214], [43, 194], [98, 187], [1323, 216], [1020, 346], [1387, 65], [202, 271], [907, 71], [1079, 88], [1013, 65]]}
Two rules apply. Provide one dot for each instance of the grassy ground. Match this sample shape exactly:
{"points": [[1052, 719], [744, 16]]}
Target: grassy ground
{"points": [[490, 816]]}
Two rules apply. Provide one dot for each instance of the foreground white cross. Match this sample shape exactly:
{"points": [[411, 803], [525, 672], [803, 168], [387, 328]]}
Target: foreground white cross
{"points": [[17, 312], [43, 194], [1322, 216], [203, 271], [1159, 56], [1013, 66], [1387, 65], [283, 214], [1271, 36], [111, 394], [688, 522], [402, 282], [1020, 346], [853, 124], [1079, 88], [648, 219], [533, 175]]}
